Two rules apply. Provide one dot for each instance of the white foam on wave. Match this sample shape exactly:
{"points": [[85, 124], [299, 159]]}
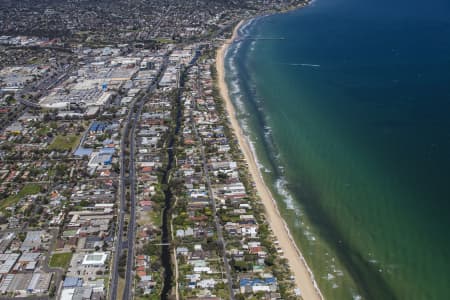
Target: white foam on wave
{"points": [[282, 190], [241, 107], [302, 258], [305, 65], [244, 125], [267, 131], [357, 297], [253, 149], [309, 235], [280, 184], [234, 87], [232, 68], [252, 46], [236, 47], [243, 30]]}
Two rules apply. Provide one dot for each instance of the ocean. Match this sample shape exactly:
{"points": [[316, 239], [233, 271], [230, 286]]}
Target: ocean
{"points": [[347, 106]]}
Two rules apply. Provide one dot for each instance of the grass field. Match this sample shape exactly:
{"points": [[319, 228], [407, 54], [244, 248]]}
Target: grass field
{"points": [[120, 288], [63, 143], [60, 260], [164, 41], [43, 131], [29, 189], [155, 217]]}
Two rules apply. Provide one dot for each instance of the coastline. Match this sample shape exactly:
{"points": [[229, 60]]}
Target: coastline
{"points": [[304, 278]]}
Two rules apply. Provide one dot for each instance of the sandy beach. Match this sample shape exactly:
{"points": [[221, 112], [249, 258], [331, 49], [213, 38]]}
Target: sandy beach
{"points": [[303, 276]]}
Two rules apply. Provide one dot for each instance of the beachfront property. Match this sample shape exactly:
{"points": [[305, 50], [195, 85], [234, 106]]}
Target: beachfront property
{"points": [[213, 186]]}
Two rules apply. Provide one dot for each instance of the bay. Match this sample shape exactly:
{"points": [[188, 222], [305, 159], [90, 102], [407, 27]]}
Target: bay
{"points": [[347, 104]]}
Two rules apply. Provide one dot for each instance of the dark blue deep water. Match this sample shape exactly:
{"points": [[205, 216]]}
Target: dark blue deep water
{"points": [[348, 107]]}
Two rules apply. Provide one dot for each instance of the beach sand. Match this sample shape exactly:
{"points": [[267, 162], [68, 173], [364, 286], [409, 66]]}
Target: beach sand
{"points": [[304, 278]]}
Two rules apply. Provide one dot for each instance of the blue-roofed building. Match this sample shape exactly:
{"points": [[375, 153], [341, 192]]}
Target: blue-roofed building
{"points": [[100, 159], [254, 285], [108, 141], [107, 150], [82, 151], [71, 282], [97, 127]]}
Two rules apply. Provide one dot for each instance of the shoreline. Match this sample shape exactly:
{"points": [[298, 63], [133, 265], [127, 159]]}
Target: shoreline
{"points": [[304, 278]]}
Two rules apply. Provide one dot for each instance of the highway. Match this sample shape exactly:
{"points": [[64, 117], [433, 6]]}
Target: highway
{"points": [[128, 290], [122, 205], [128, 138]]}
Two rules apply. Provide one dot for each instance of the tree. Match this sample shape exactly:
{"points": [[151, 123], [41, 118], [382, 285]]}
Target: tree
{"points": [[52, 291], [22, 236]]}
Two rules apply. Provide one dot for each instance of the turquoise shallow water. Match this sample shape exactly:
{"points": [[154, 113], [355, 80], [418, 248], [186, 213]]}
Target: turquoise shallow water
{"points": [[349, 115]]}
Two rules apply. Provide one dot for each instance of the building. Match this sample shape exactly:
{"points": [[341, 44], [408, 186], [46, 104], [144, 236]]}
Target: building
{"points": [[100, 159], [96, 259], [39, 283], [7, 262], [32, 241]]}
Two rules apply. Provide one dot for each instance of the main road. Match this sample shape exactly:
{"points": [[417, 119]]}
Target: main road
{"points": [[128, 138]]}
